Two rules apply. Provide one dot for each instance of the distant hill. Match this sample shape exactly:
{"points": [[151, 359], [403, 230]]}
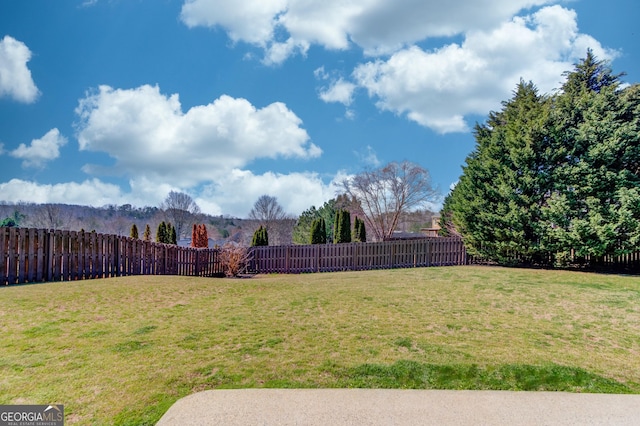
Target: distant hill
{"points": [[113, 219]]}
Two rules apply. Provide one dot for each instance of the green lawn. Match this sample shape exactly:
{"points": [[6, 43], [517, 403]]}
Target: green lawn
{"points": [[123, 350]]}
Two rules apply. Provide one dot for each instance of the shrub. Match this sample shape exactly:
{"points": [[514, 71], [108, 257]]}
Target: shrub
{"points": [[161, 234], [134, 232], [199, 236], [359, 231], [318, 231], [234, 258], [173, 236], [342, 233], [9, 223], [147, 233], [260, 237]]}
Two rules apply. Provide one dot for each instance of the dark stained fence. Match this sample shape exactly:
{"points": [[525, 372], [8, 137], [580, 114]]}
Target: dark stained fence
{"points": [[622, 263], [359, 256], [30, 255]]}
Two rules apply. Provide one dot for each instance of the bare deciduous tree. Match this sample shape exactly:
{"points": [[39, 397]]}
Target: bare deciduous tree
{"points": [[48, 216], [267, 211], [180, 209], [385, 194]]}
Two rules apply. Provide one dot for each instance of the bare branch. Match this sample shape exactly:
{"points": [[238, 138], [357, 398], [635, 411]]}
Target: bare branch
{"points": [[387, 193], [180, 209], [267, 211]]}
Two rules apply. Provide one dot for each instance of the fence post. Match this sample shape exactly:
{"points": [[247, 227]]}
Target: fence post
{"points": [[4, 251], [287, 259], [22, 258], [197, 254]]}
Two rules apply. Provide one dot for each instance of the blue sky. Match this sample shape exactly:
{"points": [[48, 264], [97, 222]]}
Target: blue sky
{"points": [[121, 101]]}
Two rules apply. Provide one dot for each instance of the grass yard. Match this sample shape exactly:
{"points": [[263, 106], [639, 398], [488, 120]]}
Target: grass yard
{"points": [[122, 350]]}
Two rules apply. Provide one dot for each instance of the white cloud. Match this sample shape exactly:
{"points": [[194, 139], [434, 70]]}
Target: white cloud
{"points": [[320, 73], [203, 151], [504, 40], [368, 157], [252, 21], [377, 26], [89, 3], [15, 77], [438, 88], [90, 192], [340, 91], [236, 193], [279, 52], [350, 114], [41, 150], [148, 135]]}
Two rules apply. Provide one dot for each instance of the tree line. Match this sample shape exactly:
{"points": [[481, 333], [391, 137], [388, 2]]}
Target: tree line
{"points": [[554, 179]]}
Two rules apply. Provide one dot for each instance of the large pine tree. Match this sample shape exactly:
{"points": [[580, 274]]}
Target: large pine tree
{"points": [[554, 175], [594, 206]]}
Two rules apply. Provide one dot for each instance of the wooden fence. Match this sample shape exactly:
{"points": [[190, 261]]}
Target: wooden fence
{"points": [[622, 263], [38, 255], [30, 255], [359, 256]]}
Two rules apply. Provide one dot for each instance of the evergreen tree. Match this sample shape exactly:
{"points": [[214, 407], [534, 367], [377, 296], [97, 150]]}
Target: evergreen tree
{"points": [[161, 233], [323, 236], [13, 221], [167, 235], [134, 232], [194, 235], [593, 208], [343, 227], [318, 231], [337, 226], [354, 232], [302, 229], [204, 236], [173, 237], [260, 237], [9, 222], [359, 231], [199, 236], [147, 233], [590, 75], [554, 176]]}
